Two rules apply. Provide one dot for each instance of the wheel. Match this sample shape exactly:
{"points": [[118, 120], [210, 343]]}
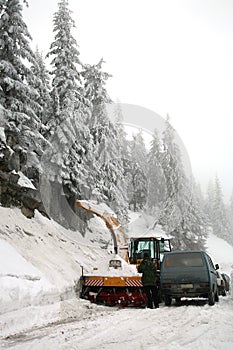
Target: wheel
{"points": [[167, 300], [224, 293], [216, 297], [211, 298]]}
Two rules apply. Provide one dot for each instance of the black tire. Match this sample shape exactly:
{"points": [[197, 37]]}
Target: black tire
{"points": [[167, 300], [216, 296], [211, 298], [224, 293]]}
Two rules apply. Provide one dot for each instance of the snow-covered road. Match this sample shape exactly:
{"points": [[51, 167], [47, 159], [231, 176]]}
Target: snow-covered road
{"points": [[193, 325]]}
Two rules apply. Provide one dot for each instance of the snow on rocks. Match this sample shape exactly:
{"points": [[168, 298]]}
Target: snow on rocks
{"points": [[2, 135], [24, 181]]}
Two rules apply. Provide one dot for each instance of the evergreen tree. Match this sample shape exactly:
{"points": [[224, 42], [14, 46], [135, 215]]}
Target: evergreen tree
{"points": [[67, 89], [123, 150], [191, 232], [121, 134], [17, 96], [156, 180], [137, 190], [95, 87], [180, 214], [209, 202], [67, 161], [174, 179], [199, 195], [139, 152], [107, 177], [219, 215], [219, 219], [41, 83], [96, 94]]}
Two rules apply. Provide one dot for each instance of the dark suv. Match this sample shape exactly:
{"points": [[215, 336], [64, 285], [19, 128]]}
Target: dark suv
{"points": [[227, 281], [188, 273]]}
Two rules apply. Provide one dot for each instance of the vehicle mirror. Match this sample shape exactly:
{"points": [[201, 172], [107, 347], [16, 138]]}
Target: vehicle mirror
{"points": [[216, 266]]}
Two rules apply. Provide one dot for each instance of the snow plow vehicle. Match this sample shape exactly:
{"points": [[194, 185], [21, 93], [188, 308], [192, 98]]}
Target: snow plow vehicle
{"points": [[120, 284]]}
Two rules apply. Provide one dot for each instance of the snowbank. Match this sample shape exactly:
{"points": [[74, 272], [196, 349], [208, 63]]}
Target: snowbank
{"points": [[20, 282], [221, 253], [40, 260]]}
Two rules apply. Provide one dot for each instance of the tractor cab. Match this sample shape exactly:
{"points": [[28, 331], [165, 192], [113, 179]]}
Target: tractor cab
{"points": [[142, 246]]}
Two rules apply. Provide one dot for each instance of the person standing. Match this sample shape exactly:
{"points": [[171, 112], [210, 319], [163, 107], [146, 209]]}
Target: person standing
{"points": [[149, 281]]}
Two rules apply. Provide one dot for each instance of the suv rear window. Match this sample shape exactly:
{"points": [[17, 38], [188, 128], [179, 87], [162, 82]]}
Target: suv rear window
{"points": [[184, 259]]}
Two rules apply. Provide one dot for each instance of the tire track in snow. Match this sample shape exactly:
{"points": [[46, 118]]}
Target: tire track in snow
{"points": [[168, 328]]}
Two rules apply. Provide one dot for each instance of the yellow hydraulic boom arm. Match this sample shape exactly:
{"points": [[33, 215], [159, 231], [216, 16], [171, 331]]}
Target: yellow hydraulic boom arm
{"points": [[118, 234]]}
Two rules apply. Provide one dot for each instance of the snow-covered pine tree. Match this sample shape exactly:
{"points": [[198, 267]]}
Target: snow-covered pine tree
{"points": [[107, 177], [137, 190], [209, 202], [42, 85], [219, 219], [180, 215], [17, 95], [139, 152], [191, 232], [66, 80], [174, 179], [95, 88], [199, 195], [66, 160], [121, 133], [218, 214], [156, 179], [123, 147]]}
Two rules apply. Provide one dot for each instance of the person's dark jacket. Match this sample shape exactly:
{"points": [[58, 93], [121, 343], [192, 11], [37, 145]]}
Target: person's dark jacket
{"points": [[149, 273]]}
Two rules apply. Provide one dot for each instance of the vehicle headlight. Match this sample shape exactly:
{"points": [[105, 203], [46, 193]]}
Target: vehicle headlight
{"points": [[115, 263]]}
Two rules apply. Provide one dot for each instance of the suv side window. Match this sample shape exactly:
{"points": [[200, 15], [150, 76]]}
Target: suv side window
{"points": [[210, 262]]}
